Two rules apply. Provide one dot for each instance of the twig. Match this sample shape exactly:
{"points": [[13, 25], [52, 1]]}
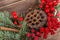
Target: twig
{"points": [[9, 29]]}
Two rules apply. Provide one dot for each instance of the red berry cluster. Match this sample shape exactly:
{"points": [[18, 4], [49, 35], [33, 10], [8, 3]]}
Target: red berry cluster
{"points": [[52, 23], [14, 14], [34, 34]]}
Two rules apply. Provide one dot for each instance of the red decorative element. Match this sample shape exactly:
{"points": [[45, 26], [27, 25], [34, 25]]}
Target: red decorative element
{"points": [[28, 34], [36, 38], [52, 23], [14, 14], [47, 6], [43, 1], [45, 36], [50, 3], [55, 3], [40, 5], [46, 30], [38, 33], [47, 10], [15, 22], [33, 35], [21, 18], [52, 9], [15, 17], [58, 1], [58, 25], [32, 30], [41, 29], [52, 32], [55, 28]]}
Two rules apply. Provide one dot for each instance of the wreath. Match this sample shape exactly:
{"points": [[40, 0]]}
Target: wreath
{"points": [[40, 20]]}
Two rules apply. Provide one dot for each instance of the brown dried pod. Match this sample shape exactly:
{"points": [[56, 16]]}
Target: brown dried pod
{"points": [[36, 18]]}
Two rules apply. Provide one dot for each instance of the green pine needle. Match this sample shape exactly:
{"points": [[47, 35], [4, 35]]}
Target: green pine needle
{"points": [[4, 18], [23, 31]]}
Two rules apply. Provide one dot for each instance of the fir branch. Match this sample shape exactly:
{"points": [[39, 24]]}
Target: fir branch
{"points": [[6, 35], [5, 19], [23, 31]]}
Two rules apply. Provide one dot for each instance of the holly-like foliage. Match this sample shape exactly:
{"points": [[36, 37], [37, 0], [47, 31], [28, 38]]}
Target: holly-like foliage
{"points": [[8, 35]]}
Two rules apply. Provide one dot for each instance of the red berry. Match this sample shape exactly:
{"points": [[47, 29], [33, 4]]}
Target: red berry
{"points": [[36, 38], [55, 28], [15, 17], [52, 9], [41, 29], [52, 15], [45, 36], [47, 10], [33, 35], [58, 1], [32, 30], [15, 22], [40, 34], [50, 3], [21, 18], [43, 2], [47, 6], [48, 14], [40, 6], [55, 3], [49, 28], [48, 18], [52, 32], [14, 13], [37, 33], [58, 24], [46, 30], [28, 34]]}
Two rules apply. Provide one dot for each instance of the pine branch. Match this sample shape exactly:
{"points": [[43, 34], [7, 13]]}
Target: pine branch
{"points": [[6, 35], [23, 31], [4, 18]]}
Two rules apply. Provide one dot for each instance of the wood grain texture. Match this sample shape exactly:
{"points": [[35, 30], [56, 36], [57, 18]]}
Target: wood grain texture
{"points": [[6, 2], [19, 6]]}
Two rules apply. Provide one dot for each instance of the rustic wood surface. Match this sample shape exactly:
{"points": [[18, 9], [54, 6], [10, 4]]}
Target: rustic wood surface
{"points": [[20, 6]]}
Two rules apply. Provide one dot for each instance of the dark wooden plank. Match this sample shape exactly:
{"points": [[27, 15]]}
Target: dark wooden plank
{"points": [[6, 2], [19, 7]]}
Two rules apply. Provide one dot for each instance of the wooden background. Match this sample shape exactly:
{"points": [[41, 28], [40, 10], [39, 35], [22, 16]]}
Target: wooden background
{"points": [[20, 6]]}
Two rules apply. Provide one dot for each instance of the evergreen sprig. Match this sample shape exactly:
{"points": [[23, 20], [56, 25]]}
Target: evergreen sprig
{"points": [[8, 35], [23, 31], [5, 20]]}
